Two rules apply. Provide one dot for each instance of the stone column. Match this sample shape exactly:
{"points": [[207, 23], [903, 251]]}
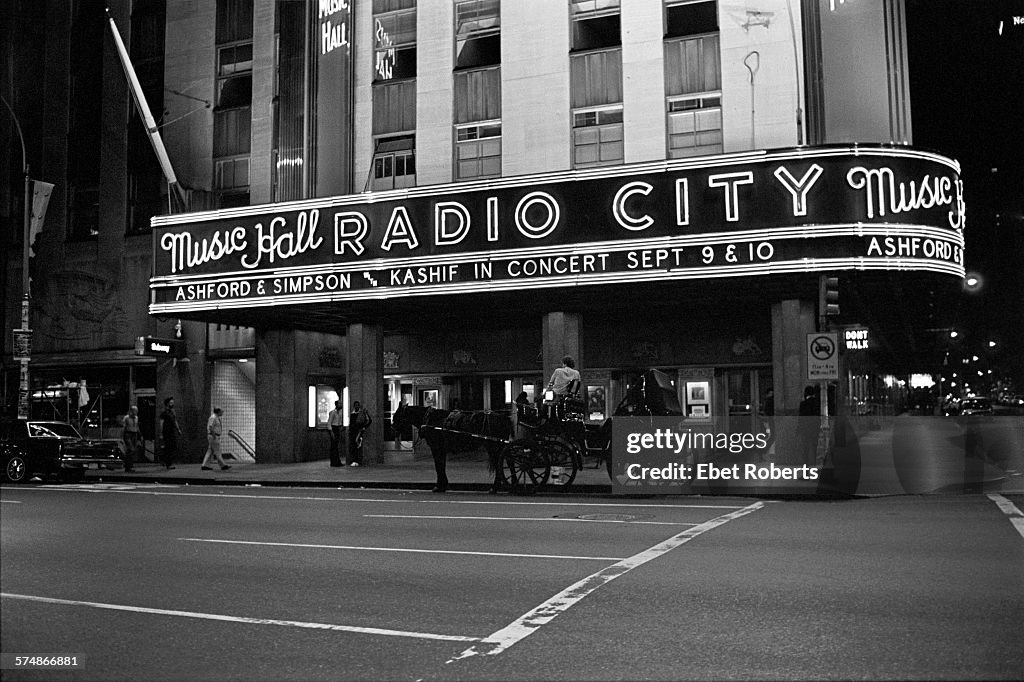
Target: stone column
{"points": [[278, 384], [792, 321], [561, 335], [365, 381]]}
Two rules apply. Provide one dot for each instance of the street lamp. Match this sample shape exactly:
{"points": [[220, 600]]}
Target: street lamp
{"points": [[23, 335]]}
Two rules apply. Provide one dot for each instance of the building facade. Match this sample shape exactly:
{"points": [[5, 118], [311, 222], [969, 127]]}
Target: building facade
{"points": [[435, 201]]}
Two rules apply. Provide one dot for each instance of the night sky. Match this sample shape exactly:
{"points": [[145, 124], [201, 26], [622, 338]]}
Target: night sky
{"points": [[967, 98]]}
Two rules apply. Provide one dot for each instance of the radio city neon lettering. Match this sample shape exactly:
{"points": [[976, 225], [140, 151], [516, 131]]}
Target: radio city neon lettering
{"points": [[785, 199]]}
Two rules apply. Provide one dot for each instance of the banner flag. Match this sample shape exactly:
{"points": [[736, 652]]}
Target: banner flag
{"points": [[147, 116], [40, 201]]}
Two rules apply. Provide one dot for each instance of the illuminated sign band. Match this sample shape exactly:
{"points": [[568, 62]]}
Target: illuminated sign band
{"points": [[730, 215]]}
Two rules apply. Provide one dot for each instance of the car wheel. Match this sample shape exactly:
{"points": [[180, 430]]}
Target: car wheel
{"points": [[16, 469]]}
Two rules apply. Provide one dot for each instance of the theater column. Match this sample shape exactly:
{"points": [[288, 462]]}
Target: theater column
{"points": [[792, 321], [364, 378], [561, 335]]}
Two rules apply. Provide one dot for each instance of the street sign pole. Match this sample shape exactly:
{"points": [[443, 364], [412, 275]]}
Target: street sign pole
{"points": [[23, 382]]}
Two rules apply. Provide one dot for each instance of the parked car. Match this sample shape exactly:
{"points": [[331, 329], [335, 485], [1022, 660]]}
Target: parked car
{"points": [[976, 406], [52, 448]]}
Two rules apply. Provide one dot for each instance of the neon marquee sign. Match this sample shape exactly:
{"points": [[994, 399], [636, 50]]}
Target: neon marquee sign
{"points": [[730, 215]]}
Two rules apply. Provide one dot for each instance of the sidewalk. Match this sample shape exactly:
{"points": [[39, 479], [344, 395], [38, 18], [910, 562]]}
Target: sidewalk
{"points": [[400, 469]]}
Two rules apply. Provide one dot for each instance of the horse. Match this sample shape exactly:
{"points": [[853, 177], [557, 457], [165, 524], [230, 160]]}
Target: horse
{"points": [[457, 431]]}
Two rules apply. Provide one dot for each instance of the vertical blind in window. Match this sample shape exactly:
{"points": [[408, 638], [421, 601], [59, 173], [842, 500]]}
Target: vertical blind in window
{"points": [[477, 95], [692, 65], [234, 20], [394, 107], [596, 78]]}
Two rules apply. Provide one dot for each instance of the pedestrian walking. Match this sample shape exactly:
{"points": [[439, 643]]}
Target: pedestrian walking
{"points": [[213, 431], [168, 432], [358, 422], [130, 437], [336, 422]]}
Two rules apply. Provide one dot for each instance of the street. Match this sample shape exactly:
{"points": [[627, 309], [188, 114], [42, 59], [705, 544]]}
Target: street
{"points": [[167, 582]]}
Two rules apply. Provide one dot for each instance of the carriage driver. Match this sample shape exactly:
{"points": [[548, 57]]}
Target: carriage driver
{"points": [[565, 380]]}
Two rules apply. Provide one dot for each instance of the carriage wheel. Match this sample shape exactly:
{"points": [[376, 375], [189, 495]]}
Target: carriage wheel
{"points": [[563, 453], [525, 466]]}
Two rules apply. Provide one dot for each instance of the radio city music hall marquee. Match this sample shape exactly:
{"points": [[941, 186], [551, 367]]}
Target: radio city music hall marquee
{"points": [[748, 214]]}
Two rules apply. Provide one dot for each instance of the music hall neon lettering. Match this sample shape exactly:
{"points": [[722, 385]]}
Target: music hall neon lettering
{"points": [[882, 191], [186, 252], [283, 246]]}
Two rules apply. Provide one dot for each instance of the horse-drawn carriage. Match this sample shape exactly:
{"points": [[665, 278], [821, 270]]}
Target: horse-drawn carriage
{"points": [[536, 445]]}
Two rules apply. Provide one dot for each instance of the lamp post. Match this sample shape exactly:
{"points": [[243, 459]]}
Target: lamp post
{"points": [[23, 335]]}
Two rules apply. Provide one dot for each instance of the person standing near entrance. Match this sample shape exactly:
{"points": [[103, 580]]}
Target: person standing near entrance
{"points": [[168, 432], [358, 422], [130, 437], [809, 425], [336, 422], [213, 431]]}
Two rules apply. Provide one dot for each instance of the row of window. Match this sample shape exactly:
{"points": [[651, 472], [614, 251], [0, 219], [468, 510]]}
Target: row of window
{"points": [[692, 84], [595, 25]]}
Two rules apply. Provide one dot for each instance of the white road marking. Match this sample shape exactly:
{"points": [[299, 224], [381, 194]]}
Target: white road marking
{"points": [[242, 619], [1010, 509], [11, 501], [521, 518], [401, 549], [533, 620], [539, 503]]}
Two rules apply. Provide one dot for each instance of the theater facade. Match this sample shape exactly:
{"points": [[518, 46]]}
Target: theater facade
{"points": [[465, 294], [436, 200]]}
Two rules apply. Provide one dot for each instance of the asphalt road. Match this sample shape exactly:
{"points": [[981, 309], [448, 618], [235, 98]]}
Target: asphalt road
{"points": [[147, 582]]}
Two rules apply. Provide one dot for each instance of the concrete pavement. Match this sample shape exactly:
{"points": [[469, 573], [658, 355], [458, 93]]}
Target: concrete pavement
{"points": [[406, 468]]}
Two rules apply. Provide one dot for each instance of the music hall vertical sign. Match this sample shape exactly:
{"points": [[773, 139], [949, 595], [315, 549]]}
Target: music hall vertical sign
{"points": [[332, 43]]}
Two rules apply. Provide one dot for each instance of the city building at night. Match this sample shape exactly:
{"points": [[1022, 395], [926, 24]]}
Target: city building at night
{"points": [[435, 201]]}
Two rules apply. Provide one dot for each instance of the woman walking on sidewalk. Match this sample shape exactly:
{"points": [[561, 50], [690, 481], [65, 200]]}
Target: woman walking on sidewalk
{"points": [[213, 430]]}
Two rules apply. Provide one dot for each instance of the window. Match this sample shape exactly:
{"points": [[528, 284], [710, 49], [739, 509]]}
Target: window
{"points": [[232, 117], [695, 126], [478, 151], [478, 103], [692, 65], [477, 33], [394, 163], [232, 173], [596, 79], [394, 108], [394, 30], [234, 20], [234, 76], [231, 132], [597, 137], [477, 95], [595, 24], [690, 17], [693, 82]]}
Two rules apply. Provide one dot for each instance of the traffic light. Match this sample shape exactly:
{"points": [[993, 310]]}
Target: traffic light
{"points": [[828, 296]]}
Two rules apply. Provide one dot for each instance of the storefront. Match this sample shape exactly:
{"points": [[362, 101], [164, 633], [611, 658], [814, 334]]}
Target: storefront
{"points": [[707, 268]]}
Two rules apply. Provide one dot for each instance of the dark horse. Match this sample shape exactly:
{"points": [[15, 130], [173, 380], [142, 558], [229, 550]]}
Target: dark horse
{"points": [[457, 431]]}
